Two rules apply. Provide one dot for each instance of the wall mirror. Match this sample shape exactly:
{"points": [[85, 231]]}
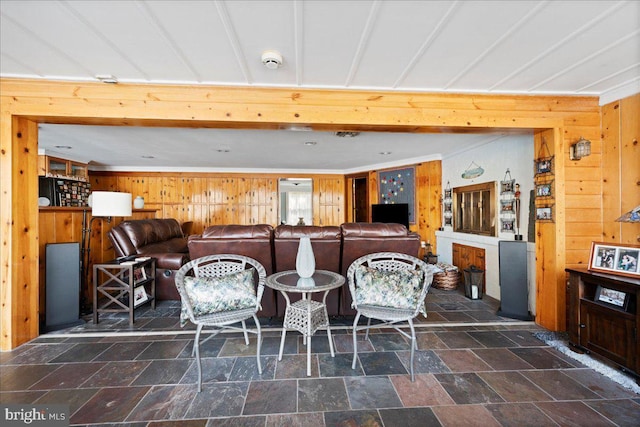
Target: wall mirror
{"points": [[295, 201]]}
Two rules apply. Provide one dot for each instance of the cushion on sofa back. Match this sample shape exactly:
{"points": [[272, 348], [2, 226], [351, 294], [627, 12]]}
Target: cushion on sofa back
{"points": [[236, 231], [254, 241], [375, 229], [325, 241]]}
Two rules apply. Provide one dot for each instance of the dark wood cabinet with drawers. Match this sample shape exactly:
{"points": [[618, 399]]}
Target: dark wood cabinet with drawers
{"points": [[602, 316]]}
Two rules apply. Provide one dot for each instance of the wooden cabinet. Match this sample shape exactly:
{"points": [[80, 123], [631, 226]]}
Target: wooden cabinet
{"points": [[465, 256], [604, 328], [55, 166]]}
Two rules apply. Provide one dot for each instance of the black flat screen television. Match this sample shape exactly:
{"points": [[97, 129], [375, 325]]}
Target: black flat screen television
{"points": [[397, 213]]}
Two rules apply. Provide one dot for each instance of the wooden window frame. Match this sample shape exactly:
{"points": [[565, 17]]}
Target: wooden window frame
{"points": [[480, 222]]}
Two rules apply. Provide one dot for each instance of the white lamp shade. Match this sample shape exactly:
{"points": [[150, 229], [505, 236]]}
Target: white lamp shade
{"points": [[110, 203]]}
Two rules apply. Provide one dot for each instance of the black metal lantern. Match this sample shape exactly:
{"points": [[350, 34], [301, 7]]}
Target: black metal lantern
{"points": [[473, 280]]}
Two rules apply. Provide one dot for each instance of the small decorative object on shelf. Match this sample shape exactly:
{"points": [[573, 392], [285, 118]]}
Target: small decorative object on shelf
{"points": [[138, 202], [305, 259]]}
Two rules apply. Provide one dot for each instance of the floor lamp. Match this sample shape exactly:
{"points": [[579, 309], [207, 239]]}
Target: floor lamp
{"points": [[104, 204]]}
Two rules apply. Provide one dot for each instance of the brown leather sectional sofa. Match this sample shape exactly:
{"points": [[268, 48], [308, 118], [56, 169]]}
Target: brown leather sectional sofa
{"points": [[335, 248]]}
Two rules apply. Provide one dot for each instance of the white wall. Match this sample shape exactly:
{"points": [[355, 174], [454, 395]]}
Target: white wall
{"points": [[513, 152]]}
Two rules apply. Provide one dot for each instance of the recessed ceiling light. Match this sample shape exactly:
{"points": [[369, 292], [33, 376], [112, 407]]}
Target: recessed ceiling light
{"points": [[223, 150], [310, 143], [107, 78], [63, 147], [385, 153], [148, 157]]}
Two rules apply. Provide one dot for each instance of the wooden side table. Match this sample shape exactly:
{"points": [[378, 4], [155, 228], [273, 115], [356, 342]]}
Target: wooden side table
{"points": [[123, 286]]}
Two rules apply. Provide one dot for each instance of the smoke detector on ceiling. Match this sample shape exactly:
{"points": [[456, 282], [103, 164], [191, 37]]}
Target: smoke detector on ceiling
{"points": [[271, 59]]}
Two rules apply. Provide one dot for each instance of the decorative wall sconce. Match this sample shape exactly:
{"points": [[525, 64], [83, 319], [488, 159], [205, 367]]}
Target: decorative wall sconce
{"points": [[580, 149]]}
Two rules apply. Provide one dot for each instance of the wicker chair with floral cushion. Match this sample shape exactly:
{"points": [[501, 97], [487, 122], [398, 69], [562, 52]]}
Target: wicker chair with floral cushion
{"points": [[220, 291], [390, 287]]}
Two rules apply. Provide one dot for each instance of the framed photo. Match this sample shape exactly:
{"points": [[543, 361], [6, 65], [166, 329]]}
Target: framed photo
{"points": [[139, 296], [612, 297], [544, 213], [448, 221], [616, 259], [448, 194], [507, 186], [507, 225], [139, 275], [448, 207], [543, 166], [507, 206], [544, 190]]}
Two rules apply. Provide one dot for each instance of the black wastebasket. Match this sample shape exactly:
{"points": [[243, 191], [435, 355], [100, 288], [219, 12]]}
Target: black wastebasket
{"points": [[473, 280]]}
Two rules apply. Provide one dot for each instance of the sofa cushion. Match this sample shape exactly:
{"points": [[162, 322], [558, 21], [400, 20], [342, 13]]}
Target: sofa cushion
{"points": [[394, 289], [209, 295], [238, 231], [374, 230]]}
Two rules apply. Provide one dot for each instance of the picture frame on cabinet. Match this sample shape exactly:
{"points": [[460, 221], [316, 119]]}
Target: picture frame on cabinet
{"points": [[618, 299], [618, 259]]}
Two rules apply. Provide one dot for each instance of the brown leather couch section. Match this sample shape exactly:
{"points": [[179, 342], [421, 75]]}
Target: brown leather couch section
{"points": [[255, 241], [158, 238], [362, 238], [326, 243]]}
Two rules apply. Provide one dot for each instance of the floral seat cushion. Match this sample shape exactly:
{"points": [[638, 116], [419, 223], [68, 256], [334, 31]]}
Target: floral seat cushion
{"points": [[394, 289], [209, 295]]}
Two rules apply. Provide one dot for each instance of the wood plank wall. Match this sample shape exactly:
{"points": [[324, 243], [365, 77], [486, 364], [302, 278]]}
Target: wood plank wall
{"points": [[32, 101], [621, 166], [223, 198]]}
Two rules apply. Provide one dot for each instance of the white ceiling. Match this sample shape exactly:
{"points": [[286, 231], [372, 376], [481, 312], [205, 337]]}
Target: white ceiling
{"points": [[525, 47]]}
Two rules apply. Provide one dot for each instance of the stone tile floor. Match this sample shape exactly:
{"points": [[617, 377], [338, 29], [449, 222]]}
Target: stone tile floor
{"points": [[473, 368]]}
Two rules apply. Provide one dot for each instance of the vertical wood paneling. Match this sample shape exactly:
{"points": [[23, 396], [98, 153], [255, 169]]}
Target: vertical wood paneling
{"points": [[630, 165], [20, 250]]}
